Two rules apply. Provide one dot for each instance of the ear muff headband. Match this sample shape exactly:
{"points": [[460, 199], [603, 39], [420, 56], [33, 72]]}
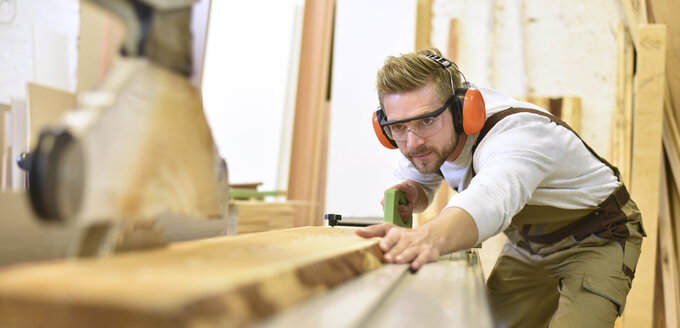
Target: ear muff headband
{"points": [[469, 111]]}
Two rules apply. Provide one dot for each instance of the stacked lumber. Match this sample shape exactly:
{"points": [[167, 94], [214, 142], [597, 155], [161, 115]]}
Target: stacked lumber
{"points": [[256, 216], [645, 146], [220, 282]]}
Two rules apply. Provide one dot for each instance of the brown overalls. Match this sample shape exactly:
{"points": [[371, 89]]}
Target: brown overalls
{"points": [[566, 268]]}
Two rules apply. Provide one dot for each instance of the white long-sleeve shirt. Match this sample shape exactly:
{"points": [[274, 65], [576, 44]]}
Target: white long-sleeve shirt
{"points": [[524, 159]]}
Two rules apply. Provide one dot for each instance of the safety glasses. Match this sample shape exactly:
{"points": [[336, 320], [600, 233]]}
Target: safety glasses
{"points": [[422, 125]]}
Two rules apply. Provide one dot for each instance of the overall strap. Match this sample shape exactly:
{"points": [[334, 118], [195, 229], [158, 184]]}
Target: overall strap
{"points": [[495, 118]]}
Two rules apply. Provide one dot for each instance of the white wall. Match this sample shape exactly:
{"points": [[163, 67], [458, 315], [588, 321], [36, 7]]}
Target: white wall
{"points": [[245, 84], [42, 34], [520, 47], [359, 168], [539, 48]]}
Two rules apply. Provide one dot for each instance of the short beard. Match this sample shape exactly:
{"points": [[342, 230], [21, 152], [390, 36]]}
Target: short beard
{"points": [[442, 155]]}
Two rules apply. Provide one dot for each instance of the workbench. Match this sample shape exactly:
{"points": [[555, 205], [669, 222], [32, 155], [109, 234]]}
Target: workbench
{"points": [[310, 276], [448, 293]]}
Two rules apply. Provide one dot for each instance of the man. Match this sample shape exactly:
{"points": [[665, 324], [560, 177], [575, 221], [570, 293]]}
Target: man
{"points": [[574, 235]]}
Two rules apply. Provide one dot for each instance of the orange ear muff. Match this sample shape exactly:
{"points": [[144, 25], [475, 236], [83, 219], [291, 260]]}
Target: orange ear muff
{"points": [[380, 133], [474, 111]]}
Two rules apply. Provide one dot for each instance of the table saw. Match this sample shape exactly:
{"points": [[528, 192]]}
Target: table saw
{"points": [[124, 222]]}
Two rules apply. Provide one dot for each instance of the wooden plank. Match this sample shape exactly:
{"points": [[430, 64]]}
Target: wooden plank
{"points": [[451, 291], [46, 106], [668, 257], [347, 305], [3, 151], [622, 127], [423, 24], [24, 238], [674, 204], [307, 176], [257, 216], [571, 112], [454, 31], [635, 14], [19, 130], [228, 281], [665, 12], [645, 175]]}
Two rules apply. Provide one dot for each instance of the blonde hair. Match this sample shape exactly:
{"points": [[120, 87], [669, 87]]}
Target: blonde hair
{"points": [[412, 71]]}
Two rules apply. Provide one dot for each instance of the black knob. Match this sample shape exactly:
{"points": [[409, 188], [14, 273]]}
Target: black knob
{"points": [[332, 219]]}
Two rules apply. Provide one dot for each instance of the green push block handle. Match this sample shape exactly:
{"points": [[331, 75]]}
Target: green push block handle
{"points": [[394, 198]]}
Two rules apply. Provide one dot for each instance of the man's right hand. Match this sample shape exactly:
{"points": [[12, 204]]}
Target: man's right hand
{"points": [[411, 191]]}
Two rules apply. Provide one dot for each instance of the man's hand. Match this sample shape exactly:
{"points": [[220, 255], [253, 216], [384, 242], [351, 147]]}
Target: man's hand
{"points": [[401, 245], [412, 193], [452, 230]]}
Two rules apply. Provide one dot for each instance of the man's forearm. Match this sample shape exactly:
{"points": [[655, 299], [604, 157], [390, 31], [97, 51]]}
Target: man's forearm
{"points": [[453, 229]]}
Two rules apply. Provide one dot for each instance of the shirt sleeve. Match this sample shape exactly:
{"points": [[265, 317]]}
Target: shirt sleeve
{"points": [[405, 170], [511, 162]]}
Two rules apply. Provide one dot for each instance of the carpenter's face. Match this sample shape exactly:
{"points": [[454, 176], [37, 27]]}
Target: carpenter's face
{"points": [[426, 142]]}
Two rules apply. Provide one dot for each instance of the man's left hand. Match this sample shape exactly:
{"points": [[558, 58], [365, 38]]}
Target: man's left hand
{"points": [[401, 245]]}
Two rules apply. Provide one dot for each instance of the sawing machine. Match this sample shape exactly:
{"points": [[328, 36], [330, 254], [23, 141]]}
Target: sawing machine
{"points": [[133, 168]]}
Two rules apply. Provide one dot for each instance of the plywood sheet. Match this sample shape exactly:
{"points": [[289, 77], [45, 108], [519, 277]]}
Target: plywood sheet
{"points": [[229, 281]]}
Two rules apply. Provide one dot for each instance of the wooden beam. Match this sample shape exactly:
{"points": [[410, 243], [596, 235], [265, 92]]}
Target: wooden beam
{"points": [[258, 216], [423, 24], [218, 282], [3, 152], [622, 128], [665, 12], [635, 14], [668, 257], [307, 177], [454, 36], [645, 176]]}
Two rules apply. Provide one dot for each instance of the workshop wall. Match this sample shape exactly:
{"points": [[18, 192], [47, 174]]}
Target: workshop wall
{"points": [[359, 168], [249, 88], [520, 47], [539, 48], [39, 44]]}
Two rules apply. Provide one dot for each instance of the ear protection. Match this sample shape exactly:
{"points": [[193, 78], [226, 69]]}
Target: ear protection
{"points": [[468, 110]]}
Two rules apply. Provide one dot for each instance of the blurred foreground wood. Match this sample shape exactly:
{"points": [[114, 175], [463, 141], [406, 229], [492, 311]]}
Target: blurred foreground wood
{"points": [[218, 282]]}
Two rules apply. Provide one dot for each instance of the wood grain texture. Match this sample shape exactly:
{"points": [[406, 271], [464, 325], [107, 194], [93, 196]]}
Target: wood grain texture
{"points": [[258, 216], [423, 24], [645, 175], [665, 12], [668, 258], [3, 152], [220, 282], [635, 14], [307, 175], [620, 146], [151, 152]]}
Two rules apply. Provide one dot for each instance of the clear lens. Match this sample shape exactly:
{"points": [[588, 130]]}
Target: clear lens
{"points": [[424, 128]]}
